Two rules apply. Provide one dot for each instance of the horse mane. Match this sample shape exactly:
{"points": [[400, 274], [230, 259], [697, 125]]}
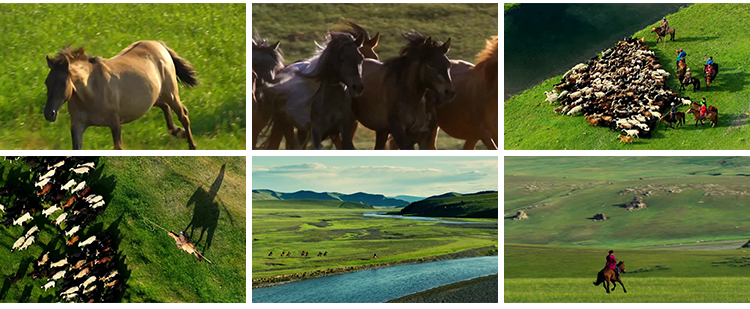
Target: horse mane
{"points": [[321, 62], [264, 46], [68, 55], [487, 61], [354, 29], [416, 47]]}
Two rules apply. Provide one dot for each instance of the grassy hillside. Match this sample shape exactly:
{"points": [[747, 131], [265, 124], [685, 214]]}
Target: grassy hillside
{"points": [[468, 26], [703, 30], [210, 36], [205, 196], [377, 200], [470, 206], [319, 226]]}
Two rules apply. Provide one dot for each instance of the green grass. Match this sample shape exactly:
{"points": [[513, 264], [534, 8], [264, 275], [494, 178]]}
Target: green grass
{"points": [[315, 225], [510, 6], [210, 36], [703, 30], [298, 26], [173, 192], [469, 206]]}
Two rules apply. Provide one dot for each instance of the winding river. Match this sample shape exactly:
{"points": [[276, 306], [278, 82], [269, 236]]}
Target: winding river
{"points": [[378, 285], [383, 214], [546, 40]]}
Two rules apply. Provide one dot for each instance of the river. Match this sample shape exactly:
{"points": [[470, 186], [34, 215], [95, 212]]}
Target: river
{"points": [[383, 214], [546, 40], [378, 285]]}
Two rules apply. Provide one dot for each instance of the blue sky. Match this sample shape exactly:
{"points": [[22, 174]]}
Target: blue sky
{"points": [[418, 176]]}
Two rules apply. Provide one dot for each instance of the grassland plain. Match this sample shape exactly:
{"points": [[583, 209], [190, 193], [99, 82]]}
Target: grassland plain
{"points": [[297, 27], [176, 193], [211, 36], [320, 226], [703, 30]]}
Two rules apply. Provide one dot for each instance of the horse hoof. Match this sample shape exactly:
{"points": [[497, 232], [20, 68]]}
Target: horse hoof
{"points": [[178, 132]]}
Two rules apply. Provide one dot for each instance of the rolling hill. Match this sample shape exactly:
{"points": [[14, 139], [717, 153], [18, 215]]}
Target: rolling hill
{"points": [[482, 205], [377, 200]]}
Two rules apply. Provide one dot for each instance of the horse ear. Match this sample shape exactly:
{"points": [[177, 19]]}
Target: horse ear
{"points": [[446, 46], [276, 46], [428, 40], [49, 62], [360, 40], [374, 41]]}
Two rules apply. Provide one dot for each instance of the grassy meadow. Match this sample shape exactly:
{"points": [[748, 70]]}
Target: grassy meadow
{"points": [[682, 248], [205, 196], [210, 36], [702, 30], [319, 226], [468, 26]]}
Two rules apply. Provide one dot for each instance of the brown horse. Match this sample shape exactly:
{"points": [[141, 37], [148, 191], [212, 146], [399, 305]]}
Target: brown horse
{"points": [[679, 119], [472, 115], [111, 92], [607, 275], [682, 68], [713, 116], [280, 128], [661, 35], [392, 102], [688, 80], [710, 71]]}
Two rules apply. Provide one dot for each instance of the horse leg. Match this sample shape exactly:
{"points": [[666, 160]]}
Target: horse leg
{"points": [[182, 115], [399, 135], [623, 286], [116, 128], [606, 285], [345, 133], [76, 134], [614, 285], [470, 144], [381, 137], [316, 138], [174, 131]]}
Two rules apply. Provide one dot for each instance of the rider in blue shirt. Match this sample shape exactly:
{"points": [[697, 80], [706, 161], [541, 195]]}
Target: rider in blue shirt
{"points": [[681, 55], [710, 61]]}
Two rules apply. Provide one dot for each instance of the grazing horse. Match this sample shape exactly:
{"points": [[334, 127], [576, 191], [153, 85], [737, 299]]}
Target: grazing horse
{"points": [[267, 62], [661, 36], [713, 116], [607, 275], [472, 115], [710, 71], [315, 96], [115, 91], [392, 102], [283, 129], [679, 119]]}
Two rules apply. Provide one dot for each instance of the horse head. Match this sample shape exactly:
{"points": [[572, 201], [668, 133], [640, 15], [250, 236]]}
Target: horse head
{"points": [[621, 265], [434, 71], [350, 61], [267, 60], [59, 81]]}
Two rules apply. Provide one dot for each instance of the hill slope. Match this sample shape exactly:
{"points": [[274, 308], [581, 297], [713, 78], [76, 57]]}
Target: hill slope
{"points": [[703, 30], [359, 197], [456, 205]]}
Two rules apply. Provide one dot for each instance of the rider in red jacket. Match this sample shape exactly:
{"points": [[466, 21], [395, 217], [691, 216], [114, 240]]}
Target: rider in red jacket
{"points": [[612, 263]]}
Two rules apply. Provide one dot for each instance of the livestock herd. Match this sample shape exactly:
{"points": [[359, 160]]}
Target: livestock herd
{"points": [[407, 98], [624, 90], [86, 269]]}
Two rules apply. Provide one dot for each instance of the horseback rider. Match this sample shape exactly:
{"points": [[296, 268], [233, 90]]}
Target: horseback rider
{"points": [[612, 262], [688, 76], [664, 25], [673, 113], [703, 108], [710, 61], [681, 54]]}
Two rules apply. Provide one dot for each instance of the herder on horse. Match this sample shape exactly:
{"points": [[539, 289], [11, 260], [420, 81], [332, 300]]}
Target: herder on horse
{"points": [[681, 65], [664, 25], [611, 273], [710, 70]]}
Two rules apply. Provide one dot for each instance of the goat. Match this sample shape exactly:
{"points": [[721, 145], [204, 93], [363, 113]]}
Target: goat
{"points": [[32, 230], [20, 221], [50, 284], [68, 185], [72, 231], [18, 243], [59, 263], [58, 275], [625, 139], [61, 218], [49, 211], [42, 182], [87, 241], [27, 243], [80, 186]]}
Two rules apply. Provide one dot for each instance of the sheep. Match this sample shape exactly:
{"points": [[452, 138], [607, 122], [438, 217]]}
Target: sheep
{"points": [[552, 96], [49, 211], [575, 110], [42, 183], [27, 243], [43, 260], [82, 273], [72, 231], [72, 241], [56, 165], [87, 241], [48, 175], [656, 114], [88, 281], [79, 187], [32, 230], [18, 243], [93, 198], [70, 291], [50, 284], [60, 219], [20, 221], [87, 164], [81, 170], [563, 95], [109, 276], [2, 208], [78, 265], [97, 205], [575, 95], [58, 275], [631, 133], [59, 263], [69, 296], [89, 290], [68, 185]]}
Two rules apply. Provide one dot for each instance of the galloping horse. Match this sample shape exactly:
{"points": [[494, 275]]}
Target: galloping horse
{"points": [[283, 129], [472, 115], [713, 116], [267, 62], [392, 102], [115, 91], [661, 36], [710, 71], [679, 119], [607, 275], [315, 95]]}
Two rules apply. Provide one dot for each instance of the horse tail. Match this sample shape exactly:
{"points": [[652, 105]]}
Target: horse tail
{"points": [[186, 73], [599, 278]]}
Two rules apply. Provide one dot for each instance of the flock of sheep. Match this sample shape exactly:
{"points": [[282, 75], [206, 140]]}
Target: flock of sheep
{"points": [[624, 90], [86, 269]]}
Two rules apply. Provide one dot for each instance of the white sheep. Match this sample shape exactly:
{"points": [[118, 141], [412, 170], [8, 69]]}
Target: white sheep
{"points": [[575, 95], [563, 95], [79, 187], [20, 221], [81, 170], [56, 165], [87, 241], [70, 296], [88, 281], [599, 94], [2, 208], [89, 290], [87, 164], [109, 276], [49, 211], [27, 243], [656, 114], [631, 133], [42, 183], [72, 231], [48, 175], [93, 198], [32, 230], [68, 184], [97, 205], [575, 110], [552, 96], [59, 275], [59, 263], [18, 243], [50, 284], [60, 219]]}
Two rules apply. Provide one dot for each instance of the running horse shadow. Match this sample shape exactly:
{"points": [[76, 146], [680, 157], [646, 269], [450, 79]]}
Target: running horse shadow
{"points": [[206, 212]]}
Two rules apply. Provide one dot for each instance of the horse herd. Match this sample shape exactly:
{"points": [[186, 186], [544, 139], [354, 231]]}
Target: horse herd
{"points": [[408, 97], [86, 268]]}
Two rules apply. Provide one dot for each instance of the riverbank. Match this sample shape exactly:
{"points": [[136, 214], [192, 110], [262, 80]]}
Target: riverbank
{"points": [[277, 280], [477, 290], [703, 30]]}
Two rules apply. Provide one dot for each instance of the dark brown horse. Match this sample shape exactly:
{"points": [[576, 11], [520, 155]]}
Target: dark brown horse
{"points": [[607, 275], [713, 116], [710, 71], [690, 80], [267, 62], [392, 102], [662, 35], [679, 120]]}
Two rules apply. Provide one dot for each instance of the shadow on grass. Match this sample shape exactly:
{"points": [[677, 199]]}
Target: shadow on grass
{"points": [[206, 212], [678, 39], [729, 81]]}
